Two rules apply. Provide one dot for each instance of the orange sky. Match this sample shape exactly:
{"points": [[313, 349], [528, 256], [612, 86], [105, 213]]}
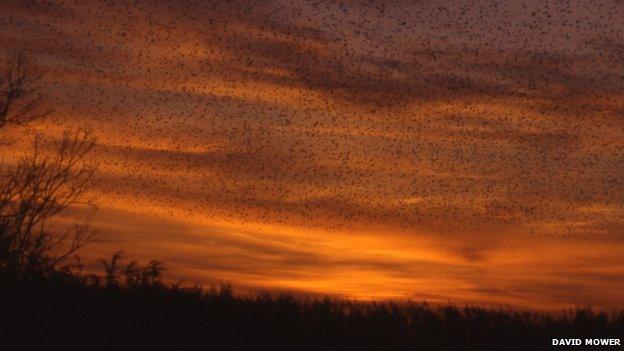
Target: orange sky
{"points": [[467, 151]]}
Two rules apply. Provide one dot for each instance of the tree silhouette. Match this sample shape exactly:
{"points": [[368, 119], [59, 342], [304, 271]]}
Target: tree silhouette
{"points": [[21, 99], [39, 187], [34, 191]]}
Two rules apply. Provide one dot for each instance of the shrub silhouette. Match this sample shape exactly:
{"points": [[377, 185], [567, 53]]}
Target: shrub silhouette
{"points": [[134, 274]]}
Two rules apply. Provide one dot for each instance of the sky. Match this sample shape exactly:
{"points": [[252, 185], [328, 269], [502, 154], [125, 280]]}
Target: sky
{"points": [[465, 151]]}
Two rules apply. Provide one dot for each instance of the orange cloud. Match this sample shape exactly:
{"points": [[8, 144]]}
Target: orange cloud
{"points": [[344, 152]]}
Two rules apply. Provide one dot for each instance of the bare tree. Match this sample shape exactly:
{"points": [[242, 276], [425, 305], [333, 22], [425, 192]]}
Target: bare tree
{"points": [[38, 188], [35, 190], [21, 99]]}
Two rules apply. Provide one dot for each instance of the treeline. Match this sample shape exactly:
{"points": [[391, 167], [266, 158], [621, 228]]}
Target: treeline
{"points": [[129, 307]]}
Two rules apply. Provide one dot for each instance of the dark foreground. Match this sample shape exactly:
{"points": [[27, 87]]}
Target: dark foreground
{"points": [[74, 313]]}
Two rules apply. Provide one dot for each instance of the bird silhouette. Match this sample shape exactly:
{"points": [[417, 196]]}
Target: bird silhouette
{"points": [[467, 122]]}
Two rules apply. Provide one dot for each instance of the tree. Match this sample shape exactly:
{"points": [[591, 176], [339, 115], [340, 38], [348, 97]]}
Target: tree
{"points": [[36, 189], [32, 193], [21, 99]]}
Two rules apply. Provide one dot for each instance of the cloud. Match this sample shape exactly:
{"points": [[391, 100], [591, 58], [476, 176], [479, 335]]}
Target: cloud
{"points": [[451, 129]]}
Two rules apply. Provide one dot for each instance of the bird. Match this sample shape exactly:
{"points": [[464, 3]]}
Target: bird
{"points": [[477, 121]]}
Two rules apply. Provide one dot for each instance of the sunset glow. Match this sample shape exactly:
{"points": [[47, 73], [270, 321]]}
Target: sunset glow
{"points": [[362, 153]]}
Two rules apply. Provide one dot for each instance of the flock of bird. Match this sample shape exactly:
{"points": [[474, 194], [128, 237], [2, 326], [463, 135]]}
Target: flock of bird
{"points": [[428, 117]]}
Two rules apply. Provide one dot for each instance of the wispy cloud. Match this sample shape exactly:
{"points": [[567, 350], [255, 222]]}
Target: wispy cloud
{"points": [[475, 145]]}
